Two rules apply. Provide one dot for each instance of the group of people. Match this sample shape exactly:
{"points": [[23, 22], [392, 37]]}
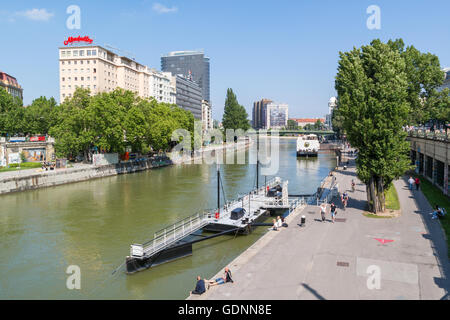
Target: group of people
{"points": [[204, 284], [323, 211], [47, 165], [412, 182], [278, 223]]}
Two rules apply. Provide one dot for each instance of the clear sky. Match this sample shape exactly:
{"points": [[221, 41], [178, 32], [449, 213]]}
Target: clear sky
{"points": [[286, 51]]}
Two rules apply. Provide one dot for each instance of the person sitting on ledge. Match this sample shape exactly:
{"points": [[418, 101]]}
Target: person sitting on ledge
{"points": [[200, 286], [224, 279]]}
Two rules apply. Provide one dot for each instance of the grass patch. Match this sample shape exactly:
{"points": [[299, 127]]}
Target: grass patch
{"points": [[436, 197], [23, 166], [371, 215], [391, 196]]}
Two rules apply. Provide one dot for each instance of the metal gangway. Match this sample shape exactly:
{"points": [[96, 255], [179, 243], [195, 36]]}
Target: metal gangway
{"points": [[170, 235]]}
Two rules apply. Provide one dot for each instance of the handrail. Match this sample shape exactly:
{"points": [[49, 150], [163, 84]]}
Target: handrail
{"points": [[430, 135], [178, 230]]}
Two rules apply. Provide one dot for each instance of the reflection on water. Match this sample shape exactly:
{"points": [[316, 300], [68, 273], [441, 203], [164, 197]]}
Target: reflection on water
{"points": [[91, 224]]}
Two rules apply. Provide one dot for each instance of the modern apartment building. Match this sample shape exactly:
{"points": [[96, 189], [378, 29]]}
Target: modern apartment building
{"points": [[102, 70], [10, 84], [276, 115], [259, 115], [192, 65], [189, 96]]}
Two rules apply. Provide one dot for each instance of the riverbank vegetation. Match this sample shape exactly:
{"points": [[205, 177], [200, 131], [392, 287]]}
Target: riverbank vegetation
{"points": [[383, 87], [109, 122]]}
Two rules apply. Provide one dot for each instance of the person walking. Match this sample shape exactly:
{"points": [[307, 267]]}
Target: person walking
{"points": [[323, 210], [333, 211], [411, 182], [417, 182]]}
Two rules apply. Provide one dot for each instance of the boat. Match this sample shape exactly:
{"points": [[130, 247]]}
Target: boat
{"points": [[308, 145]]}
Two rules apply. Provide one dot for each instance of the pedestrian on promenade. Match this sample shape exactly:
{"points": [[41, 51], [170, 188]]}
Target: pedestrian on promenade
{"points": [[333, 211], [200, 286], [279, 222], [411, 182], [417, 182], [323, 210]]}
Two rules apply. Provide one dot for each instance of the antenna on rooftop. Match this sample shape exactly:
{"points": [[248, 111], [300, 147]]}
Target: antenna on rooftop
{"points": [[128, 53]]}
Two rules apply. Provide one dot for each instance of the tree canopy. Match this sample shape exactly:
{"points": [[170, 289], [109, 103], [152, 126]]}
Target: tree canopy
{"points": [[374, 102], [234, 116], [108, 122]]}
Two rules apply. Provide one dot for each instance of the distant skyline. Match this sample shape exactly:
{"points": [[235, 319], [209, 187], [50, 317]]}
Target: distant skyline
{"points": [[286, 51]]}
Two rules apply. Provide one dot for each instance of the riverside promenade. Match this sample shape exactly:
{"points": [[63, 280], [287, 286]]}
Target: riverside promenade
{"points": [[325, 260]]}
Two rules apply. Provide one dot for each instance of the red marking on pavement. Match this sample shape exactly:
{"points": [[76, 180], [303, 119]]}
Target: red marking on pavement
{"points": [[383, 241]]}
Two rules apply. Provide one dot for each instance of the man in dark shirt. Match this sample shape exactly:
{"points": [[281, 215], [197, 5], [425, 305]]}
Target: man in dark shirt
{"points": [[200, 287]]}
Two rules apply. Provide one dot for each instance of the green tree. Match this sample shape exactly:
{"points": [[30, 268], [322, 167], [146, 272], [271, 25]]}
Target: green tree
{"points": [[292, 124], [424, 75], [40, 115], [373, 99], [318, 125], [11, 114], [235, 116]]}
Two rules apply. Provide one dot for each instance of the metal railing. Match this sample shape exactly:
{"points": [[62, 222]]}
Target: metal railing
{"points": [[431, 135], [180, 229], [175, 232]]}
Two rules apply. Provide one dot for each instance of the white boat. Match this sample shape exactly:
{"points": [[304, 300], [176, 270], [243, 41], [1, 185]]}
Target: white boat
{"points": [[308, 145]]}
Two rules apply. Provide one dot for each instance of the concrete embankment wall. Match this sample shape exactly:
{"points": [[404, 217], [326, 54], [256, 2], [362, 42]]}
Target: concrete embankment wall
{"points": [[35, 180], [199, 155]]}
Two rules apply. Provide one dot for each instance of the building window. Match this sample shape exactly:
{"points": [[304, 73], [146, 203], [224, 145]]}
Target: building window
{"points": [[68, 53], [95, 70], [63, 79], [82, 78], [75, 53], [81, 53], [75, 79], [94, 52], [62, 62], [75, 62], [81, 61], [88, 53]]}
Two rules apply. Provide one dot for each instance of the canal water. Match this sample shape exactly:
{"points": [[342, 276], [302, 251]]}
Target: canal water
{"points": [[92, 224]]}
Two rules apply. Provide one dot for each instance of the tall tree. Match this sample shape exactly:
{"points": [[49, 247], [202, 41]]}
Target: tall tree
{"points": [[372, 86], [234, 116], [424, 75]]}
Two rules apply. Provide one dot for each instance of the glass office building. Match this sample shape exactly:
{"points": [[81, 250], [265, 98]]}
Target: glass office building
{"points": [[192, 65]]}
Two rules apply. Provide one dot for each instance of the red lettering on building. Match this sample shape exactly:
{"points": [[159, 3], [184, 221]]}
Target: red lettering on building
{"points": [[71, 40]]}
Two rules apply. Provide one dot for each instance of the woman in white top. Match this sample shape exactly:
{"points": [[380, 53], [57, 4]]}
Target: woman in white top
{"points": [[323, 210], [279, 222]]}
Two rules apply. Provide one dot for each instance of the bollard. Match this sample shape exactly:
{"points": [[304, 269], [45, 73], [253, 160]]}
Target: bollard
{"points": [[303, 221]]}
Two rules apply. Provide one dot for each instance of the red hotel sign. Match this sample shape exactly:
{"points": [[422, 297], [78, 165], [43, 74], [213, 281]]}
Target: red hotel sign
{"points": [[71, 40]]}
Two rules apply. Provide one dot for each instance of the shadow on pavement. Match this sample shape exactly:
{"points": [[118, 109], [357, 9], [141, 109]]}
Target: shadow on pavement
{"points": [[436, 236], [314, 292]]}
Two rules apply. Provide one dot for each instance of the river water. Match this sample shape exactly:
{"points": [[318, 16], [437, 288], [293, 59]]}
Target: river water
{"points": [[92, 224]]}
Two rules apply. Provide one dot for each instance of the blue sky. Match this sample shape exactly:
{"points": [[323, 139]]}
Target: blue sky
{"points": [[283, 50]]}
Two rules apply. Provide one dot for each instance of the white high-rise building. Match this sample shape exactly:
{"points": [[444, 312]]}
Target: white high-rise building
{"points": [[332, 104], [207, 121], [101, 70], [277, 115]]}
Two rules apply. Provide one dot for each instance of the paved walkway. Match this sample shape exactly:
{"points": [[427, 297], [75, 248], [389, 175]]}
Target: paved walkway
{"points": [[331, 261]]}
